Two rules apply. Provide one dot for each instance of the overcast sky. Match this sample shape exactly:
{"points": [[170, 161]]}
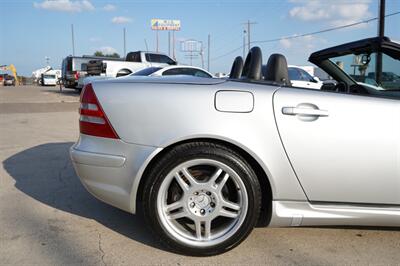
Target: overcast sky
{"points": [[33, 30]]}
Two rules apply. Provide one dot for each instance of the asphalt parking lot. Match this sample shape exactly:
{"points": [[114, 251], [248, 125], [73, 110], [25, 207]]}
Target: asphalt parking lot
{"points": [[48, 218]]}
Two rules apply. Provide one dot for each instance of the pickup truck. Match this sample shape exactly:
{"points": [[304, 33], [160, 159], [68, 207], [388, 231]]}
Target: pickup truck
{"points": [[73, 67], [134, 61]]}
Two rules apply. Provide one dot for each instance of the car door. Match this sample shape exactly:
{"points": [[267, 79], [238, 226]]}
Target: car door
{"points": [[343, 148]]}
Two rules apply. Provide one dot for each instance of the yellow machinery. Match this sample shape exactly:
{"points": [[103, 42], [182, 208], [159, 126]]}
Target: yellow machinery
{"points": [[11, 68]]}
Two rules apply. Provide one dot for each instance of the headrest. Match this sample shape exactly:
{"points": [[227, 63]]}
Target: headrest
{"points": [[237, 68], [277, 70], [252, 65]]}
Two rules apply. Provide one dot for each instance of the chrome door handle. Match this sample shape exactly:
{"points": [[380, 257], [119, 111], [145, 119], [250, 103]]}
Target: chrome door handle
{"points": [[304, 111]]}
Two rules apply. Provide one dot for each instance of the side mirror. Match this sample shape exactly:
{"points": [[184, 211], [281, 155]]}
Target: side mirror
{"points": [[365, 59], [316, 79]]}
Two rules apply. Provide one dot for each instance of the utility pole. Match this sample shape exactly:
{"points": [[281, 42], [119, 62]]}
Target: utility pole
{"points": [[169, 43], [73, 39], [208, 52], [244, 44], [124, 42], [381, 34], [249, 23], [173, 45], [157, 41], [202, 54]]}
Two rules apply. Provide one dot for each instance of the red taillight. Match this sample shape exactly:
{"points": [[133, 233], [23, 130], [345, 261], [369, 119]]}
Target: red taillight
{"points": [[93, 121], [76, 75]]}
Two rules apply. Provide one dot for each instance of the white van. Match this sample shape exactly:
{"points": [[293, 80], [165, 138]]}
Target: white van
{"points": [[51, 77]]}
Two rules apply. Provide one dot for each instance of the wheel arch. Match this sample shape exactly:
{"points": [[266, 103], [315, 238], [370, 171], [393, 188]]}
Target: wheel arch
{"points": [[266, 188], [122, 70]]}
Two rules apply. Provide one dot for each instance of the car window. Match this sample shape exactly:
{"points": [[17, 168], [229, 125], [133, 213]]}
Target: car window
{"points": [[133, 57], [304, 75], [200, 73], [186, 71], [146, 72], [174, 71], [166, 60], [159, 58], [294, 74]]}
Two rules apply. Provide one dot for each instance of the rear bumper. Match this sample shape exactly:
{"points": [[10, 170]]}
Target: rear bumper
{"points": [[111, 169]]}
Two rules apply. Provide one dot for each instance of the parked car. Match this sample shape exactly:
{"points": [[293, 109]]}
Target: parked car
{"points": [[206, 160], [157, 72], [134, 62], [302, 79], [2, 78], [100, 69], [9, 80], [50, 77], [173, 71]]}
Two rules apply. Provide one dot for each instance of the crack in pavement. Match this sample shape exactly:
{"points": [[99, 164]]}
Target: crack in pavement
{"points": [[102, 251]]}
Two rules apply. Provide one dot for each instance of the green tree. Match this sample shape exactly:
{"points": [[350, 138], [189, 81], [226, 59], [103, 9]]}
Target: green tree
{"points": [[115, 55], [100, 53]]}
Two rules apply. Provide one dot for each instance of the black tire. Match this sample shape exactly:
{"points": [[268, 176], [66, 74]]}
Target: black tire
{"points": [[200, 150]]}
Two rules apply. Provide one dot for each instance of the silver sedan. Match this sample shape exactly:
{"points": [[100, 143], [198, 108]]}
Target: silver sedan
{"points": [[206, 160]]}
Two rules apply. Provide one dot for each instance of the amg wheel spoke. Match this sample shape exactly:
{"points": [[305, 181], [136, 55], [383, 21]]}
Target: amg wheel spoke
{"points": [[223, 181], [181, 182], [207, 229], [174, 206], [178, 215], [228, 213], [192, 181], [197, 225], [231, 205], [214, 177]]}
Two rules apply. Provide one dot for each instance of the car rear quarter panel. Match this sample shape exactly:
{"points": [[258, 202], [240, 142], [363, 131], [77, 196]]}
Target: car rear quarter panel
{"points": [[160, 115]]}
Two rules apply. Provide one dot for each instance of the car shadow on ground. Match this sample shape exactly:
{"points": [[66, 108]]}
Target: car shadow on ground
{"points": [[45, 173]]}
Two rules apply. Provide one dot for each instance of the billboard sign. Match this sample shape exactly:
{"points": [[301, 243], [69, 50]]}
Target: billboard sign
{"points": [[165, 24]]}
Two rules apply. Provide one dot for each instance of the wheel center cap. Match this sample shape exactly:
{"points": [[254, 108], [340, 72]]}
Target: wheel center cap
{"points": [[202, 201]]}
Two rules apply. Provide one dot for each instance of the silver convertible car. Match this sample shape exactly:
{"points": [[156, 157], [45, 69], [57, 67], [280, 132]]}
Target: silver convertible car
{"points": [[206, 160]]}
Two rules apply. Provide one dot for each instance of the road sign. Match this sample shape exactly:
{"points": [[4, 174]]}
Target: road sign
{"points": [[165, 24]]}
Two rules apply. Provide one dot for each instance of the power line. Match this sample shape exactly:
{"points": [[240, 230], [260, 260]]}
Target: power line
{"points": [[306, 34], [325, 30], [275, 6]]}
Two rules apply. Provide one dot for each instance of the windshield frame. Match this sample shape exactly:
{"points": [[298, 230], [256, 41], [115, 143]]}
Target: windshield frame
{"points": [[366, 46]]}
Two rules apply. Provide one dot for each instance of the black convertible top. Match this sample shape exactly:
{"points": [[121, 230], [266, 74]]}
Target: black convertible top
{"points": [[368, 45]]}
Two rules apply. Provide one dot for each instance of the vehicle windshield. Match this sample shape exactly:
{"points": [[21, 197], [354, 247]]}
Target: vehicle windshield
{"points": [[146, 72], [362, 69]]}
